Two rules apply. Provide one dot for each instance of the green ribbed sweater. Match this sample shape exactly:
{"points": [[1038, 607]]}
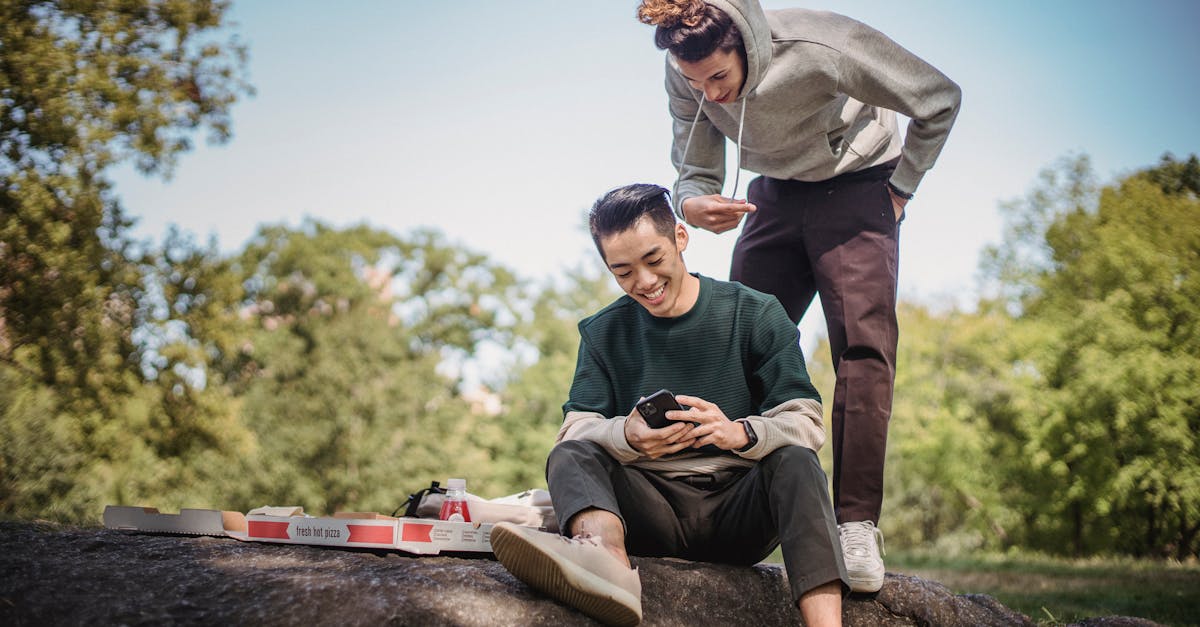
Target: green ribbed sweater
{"points": [[736, 347]]}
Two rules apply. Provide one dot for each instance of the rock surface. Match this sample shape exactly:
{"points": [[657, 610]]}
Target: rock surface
{"points": [[58, 575]]}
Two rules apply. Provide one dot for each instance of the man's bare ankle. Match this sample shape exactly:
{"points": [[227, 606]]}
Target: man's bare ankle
{"points": [[605, 527], [619, 553]]}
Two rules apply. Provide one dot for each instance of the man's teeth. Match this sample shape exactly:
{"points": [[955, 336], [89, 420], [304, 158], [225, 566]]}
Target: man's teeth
{"points": [[656, 293]]}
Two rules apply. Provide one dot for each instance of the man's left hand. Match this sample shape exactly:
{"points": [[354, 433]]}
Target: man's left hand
{"points": [[897, 204], [714, 426]]}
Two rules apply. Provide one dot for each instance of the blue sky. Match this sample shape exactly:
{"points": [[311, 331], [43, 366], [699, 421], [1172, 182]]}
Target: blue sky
{"points": [[499, 123]]}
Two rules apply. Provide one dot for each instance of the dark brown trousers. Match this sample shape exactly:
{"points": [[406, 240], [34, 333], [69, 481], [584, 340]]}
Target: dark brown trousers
{"points": [[838, 238]]}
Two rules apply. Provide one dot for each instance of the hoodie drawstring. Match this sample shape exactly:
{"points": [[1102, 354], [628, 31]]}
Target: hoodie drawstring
{"points": [[683, 158], [688, 144], [737, 172]]}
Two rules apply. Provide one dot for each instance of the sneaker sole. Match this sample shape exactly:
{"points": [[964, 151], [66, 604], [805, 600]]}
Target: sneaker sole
{"points": [[869, 583], [564, 580]]}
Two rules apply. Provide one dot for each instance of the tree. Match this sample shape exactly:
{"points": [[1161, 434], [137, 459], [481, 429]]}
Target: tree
{"points": [[957, 396], [346, 387], [1176, 177], [84, 86], [1109, 439], [521, 436], [1011, 269]]}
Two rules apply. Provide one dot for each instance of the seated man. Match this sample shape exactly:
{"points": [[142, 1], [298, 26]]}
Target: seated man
{"points": [[734, 477]]}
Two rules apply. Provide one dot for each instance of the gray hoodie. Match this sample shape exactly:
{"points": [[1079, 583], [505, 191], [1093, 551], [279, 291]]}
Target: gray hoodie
{"points": [[819, 100]]}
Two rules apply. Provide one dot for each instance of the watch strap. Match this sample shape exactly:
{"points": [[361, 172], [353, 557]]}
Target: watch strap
{"points": [[750, 435]]}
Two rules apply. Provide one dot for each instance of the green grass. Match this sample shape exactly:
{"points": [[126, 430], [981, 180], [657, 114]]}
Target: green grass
{"points": [[1056, 591]]}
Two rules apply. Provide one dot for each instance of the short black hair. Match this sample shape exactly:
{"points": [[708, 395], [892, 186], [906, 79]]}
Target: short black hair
{"points": [[620, 209]]}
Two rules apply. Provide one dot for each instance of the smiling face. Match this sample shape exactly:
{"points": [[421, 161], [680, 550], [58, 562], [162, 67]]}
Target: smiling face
{"points": [[649, 267], [720, 75]]}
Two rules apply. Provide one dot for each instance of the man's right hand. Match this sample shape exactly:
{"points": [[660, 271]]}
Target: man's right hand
{"points": [[655, 443], [715, 213]]}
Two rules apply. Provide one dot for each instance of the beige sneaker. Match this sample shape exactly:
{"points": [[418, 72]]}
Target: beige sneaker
{"points": [[862, 543], [577, 571]]}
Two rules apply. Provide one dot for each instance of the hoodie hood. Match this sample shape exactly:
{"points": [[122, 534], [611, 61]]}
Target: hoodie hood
{"points": [[751, 22]]}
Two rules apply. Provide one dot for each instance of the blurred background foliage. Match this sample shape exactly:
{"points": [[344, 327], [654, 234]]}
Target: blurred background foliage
{"points": [[343, 368]]}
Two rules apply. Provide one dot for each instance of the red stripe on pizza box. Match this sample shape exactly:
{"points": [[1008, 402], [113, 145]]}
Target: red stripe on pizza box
{"points": [[263, 529], [372, 534], [416, 533]]}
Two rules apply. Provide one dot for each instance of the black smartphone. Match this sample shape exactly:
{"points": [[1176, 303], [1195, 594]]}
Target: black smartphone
{"points": [[654, 408]]}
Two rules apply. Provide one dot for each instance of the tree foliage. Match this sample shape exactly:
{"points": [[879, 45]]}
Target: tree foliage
{"points": [[1076, 383], [84, 86], [347, 396], [1119, 361], [520, 437], [956, 401]]}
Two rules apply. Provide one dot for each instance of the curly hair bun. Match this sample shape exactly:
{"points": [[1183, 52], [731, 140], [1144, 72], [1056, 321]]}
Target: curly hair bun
{"points": [[672, 13]]}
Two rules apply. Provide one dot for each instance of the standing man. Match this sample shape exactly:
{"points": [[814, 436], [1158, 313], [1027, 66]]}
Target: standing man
{"points": [[731, 477], [809, 98]]}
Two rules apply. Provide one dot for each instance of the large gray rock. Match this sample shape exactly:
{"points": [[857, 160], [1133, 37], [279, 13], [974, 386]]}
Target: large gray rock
{"points": [[56, 575]]}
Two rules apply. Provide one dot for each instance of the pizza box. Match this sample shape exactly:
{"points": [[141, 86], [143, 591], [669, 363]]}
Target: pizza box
{"points": [[200, 522], [421, 536], [289, 525]]}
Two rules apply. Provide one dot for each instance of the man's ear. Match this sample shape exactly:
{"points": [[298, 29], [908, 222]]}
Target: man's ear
{"points": [[681, 236]]}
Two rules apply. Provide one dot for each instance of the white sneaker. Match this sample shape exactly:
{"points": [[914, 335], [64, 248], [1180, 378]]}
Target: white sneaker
{"points": [[577, 571], [862, 543]]}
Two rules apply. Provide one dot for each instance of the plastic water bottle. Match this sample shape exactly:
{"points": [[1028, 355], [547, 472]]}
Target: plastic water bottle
{"points": [[454, 508]]}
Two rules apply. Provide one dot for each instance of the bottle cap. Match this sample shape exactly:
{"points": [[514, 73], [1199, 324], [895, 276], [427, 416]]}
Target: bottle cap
{"points": [[456, 484]]}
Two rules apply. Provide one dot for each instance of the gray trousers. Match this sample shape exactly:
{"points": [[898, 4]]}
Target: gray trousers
{"points": [[731, 517]]}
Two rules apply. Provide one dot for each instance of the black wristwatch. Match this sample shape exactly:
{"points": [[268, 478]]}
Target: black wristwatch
{"points": [[749, 434]]}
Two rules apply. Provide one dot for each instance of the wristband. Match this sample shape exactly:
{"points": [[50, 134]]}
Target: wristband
{"points": [[899, 192]]}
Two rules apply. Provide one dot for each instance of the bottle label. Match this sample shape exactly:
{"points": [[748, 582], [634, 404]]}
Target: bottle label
{"points": [[455, 511]]}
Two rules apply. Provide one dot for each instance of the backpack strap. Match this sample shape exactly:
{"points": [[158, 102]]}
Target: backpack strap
{"points": [[410, 506]]}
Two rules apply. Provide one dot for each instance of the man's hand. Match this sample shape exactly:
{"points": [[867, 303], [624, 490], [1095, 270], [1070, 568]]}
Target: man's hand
{"points": [[715, 427], [897, 204], [655, 443], [715, 213]]}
